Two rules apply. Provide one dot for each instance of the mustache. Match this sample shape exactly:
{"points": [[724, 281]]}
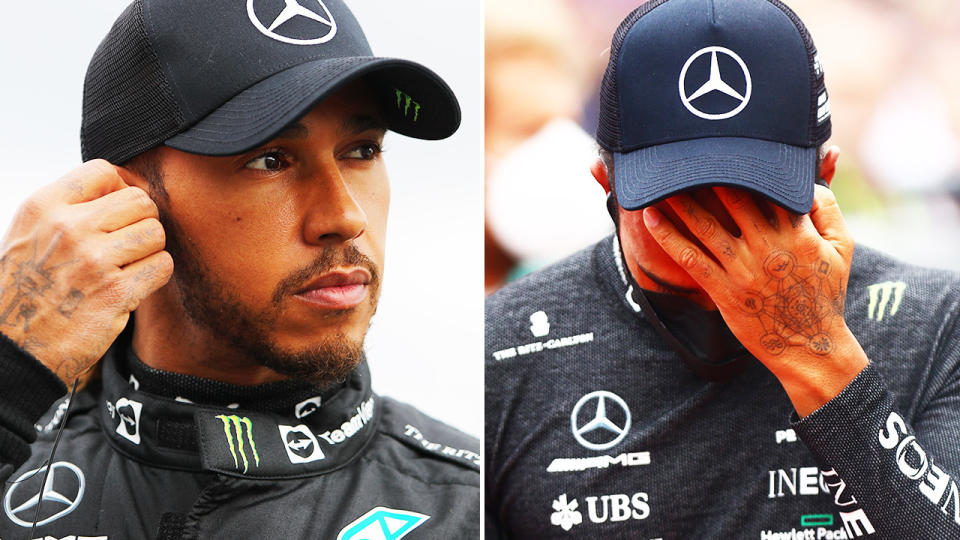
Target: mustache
{"points": [[328, 260]]}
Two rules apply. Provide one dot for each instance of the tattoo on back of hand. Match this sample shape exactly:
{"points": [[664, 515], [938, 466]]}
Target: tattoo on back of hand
{"points": [[795, 304], [30, 282], [70, 303]]}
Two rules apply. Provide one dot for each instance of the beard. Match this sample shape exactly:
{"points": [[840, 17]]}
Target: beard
{"points": [[216, 307]]}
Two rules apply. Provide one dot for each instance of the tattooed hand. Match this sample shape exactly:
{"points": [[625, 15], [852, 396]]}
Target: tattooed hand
{"points": [[79, 256], [780, 283]]}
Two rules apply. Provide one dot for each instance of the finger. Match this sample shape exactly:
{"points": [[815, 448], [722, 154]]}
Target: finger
{"points": [[681, 249], [135, 242], [146, 276], [829, 222], [89, 181], [796, 221], [754, 226], [705, 227], [120, 208], [130, 177]]}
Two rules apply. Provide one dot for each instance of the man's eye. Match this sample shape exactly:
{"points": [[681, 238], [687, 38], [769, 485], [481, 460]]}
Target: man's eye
{"points": [[270, 161], [364, 151]]}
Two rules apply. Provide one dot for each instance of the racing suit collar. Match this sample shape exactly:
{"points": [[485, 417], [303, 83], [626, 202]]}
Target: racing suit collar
{"points": [[314, 436], [700, 338], [280, 396]]}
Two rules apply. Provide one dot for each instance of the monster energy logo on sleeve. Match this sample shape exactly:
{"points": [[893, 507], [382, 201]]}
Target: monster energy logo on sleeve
{"points": [[883, 291], [237, 424], [404, 102]]}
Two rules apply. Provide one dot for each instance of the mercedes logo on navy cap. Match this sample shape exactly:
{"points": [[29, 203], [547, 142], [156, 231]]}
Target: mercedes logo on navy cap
{"points": [[219, 77], [713, 92], [715, 83]]}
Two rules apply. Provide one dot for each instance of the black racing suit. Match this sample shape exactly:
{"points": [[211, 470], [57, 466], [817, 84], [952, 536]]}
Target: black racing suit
{"points": [[278, 461], [596, 428]]}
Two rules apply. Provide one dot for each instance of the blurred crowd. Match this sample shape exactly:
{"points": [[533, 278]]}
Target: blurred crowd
{"points": [[891, 71]]}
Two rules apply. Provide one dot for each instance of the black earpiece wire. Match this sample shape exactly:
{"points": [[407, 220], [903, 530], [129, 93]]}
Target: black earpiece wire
{"points": [[53, 451]]}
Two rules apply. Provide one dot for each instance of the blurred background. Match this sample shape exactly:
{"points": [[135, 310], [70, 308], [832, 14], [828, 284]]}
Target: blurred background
{"points": [[425, 342], [891, 72]]}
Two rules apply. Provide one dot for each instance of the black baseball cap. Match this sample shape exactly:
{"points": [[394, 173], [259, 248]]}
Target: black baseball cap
{"points": [[219, 77], [713, 92]]}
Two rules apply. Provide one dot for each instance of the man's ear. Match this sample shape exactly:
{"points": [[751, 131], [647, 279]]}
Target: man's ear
{"points": [[133, 170], [599, 171], [828, 166], [132, 177]]}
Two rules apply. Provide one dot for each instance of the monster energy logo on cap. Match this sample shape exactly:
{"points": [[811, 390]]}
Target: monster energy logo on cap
{"points": [[404, 102], [237, 424]]}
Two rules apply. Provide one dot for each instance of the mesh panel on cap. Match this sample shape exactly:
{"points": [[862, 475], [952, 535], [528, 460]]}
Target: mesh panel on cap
{"points": [[128, 106], [819, 133], [608, 128]]}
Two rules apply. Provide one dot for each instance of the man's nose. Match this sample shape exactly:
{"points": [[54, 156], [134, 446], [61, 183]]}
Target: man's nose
{"points": [[334, 213]]}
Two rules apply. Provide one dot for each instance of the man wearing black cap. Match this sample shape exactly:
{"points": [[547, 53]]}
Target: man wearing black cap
{"points": [[234, 196], [727, 365]]}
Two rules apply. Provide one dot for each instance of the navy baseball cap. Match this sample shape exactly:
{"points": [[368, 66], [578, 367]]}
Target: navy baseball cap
{"points": [[219, 77], [713, 92]]}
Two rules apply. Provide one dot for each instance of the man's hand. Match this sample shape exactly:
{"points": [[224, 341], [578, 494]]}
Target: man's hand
{"points": [[780, 285], [80, 255]]}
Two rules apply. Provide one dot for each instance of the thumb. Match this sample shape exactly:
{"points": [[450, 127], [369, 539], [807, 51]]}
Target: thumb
{"points": [[828, 220]]}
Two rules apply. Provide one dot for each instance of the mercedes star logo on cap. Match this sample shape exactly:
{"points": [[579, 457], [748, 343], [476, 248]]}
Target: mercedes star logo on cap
{"points": [[56, 504], [613, 433], [324, 24], [714, 83]]}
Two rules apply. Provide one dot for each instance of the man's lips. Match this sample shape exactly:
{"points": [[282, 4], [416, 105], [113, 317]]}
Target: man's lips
{"points": [[342, 289]]}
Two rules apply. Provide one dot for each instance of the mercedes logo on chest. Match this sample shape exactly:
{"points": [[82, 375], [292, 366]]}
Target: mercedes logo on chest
{"points": [[59, 495], [606, 420], [715, 81], [317, 18]]}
